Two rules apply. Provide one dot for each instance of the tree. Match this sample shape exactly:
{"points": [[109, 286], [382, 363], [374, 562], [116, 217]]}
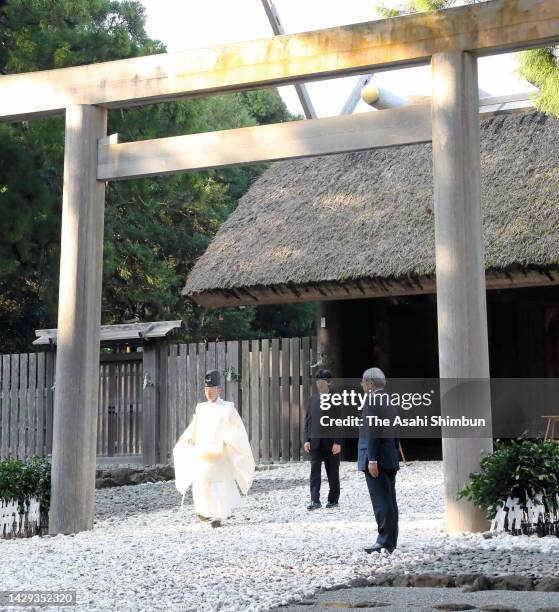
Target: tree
{"points": [[155, 228], [540, 67]]}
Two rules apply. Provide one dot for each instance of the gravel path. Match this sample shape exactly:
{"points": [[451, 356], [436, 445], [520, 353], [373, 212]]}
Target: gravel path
{"points": [[146, 553]]}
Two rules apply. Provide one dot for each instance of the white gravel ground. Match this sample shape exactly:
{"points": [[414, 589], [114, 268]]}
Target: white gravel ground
{"points": [[146, 553]]}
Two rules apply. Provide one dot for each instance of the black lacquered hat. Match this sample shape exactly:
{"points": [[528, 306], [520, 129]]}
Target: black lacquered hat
{"points": [[324, 374], [212, 378]]}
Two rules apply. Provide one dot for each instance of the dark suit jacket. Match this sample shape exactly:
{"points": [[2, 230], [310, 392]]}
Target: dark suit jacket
{"points": [[312, 418], [375, 447]]}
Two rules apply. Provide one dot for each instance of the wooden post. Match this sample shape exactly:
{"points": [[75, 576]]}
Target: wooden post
{"points": [[150, 403], [461, 302], [329, 336], [79, 319]]}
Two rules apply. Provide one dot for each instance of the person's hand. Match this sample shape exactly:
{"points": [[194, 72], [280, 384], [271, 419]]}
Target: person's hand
{"points": [[307, 447], [336, 449], [373, 470]]}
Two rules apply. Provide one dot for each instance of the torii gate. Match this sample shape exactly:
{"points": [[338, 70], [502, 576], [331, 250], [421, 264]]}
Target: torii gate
{"points": [[450, 40]]}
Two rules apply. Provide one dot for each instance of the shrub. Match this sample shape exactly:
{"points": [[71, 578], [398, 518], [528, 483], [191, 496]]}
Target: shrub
{"points": [[516, 468], [22, 481]]}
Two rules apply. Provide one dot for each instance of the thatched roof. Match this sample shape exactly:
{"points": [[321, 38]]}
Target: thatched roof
{"points": [[367, 217]]}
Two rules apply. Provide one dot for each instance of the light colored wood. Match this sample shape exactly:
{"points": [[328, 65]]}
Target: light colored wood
{"points": [[380, 98], [255, 405], [294, 351], [173, 403], [364, 288], [32, 406], [278, 30], [79, 320], [14, 406], [182, 398], [291, 140], [220, 364], [40, 444], [6, 412], [275, 403], [285, 400], [486, 28], [192, 399], [461, 299], [149, 398], [265, 399], [116, 333], [306, 387], [245, 384], [233, 395]]}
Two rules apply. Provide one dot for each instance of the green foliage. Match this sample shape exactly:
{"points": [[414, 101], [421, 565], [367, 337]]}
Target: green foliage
{"points": [[21, 481], [155, 229], [515, 469], [541, 68]]}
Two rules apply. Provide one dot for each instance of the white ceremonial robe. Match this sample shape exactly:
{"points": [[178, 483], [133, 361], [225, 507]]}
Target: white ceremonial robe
{"points": [[219, 459]]}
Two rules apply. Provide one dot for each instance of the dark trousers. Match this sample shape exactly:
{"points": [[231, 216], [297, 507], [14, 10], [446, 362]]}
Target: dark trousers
{"points": [[382, 491], [332, 463]]}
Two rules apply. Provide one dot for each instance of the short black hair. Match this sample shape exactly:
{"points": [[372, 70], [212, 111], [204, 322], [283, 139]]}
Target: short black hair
{"points": [[324, 374]]}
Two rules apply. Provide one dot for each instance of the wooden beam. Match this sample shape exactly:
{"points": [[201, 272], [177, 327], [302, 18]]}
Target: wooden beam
{"points": [[484, 29], [290, 140], [364, 288], [279, 30]]}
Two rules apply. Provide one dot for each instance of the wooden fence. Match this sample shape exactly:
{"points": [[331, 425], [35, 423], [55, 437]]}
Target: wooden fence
{"points": [[156, 392]]}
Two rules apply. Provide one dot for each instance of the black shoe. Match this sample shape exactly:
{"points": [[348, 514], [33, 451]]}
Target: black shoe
{"points": [[314, 506], [377, 549], [332, 504], [215, 523]]}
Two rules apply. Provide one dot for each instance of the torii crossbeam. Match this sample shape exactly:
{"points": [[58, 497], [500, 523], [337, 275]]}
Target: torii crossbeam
{"points": [[451, 40]]}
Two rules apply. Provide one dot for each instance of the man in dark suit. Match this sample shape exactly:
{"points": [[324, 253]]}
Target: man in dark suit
{"points": [[378, 458], [325, 450]]}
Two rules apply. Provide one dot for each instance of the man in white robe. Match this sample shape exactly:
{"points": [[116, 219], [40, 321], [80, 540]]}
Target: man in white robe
{"points": [[214, 456]]}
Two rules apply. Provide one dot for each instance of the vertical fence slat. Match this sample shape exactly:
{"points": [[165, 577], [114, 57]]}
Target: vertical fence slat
{"points": [[245, 384], [295, 399], [32, 405], [220, 364], [14, 421], [285, 387], [265, 399], [6, 407], [305, 385], [210, 356], [275, 402], [139, 407], [172, 388], [191, 373], [40, 440], [255, 432], [232, 359], [182, 397], [50, 362], [201, 371]]}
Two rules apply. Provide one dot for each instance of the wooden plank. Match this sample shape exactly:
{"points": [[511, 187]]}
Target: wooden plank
{"points": [[485, 28], [182, 397], [292, 140], [232, 361], [255, 404], [220, 364], [149, 405], [139, 407], [168, 417], [6, 412], [50, 361], [275, 403], [130, 407], [14, 406], [285, 400], [265, 399], [191, 373], [295, 398], [245, 385], [40, 439], [111, 409], [32, 405], [305, 386], [211, 356], [201, 372], [23, 424]]}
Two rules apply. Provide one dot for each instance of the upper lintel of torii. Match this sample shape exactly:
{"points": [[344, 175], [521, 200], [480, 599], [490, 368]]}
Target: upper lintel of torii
{"points": [[482, 29]]}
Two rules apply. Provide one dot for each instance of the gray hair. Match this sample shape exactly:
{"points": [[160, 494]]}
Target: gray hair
{"points": [[377, 376]]}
